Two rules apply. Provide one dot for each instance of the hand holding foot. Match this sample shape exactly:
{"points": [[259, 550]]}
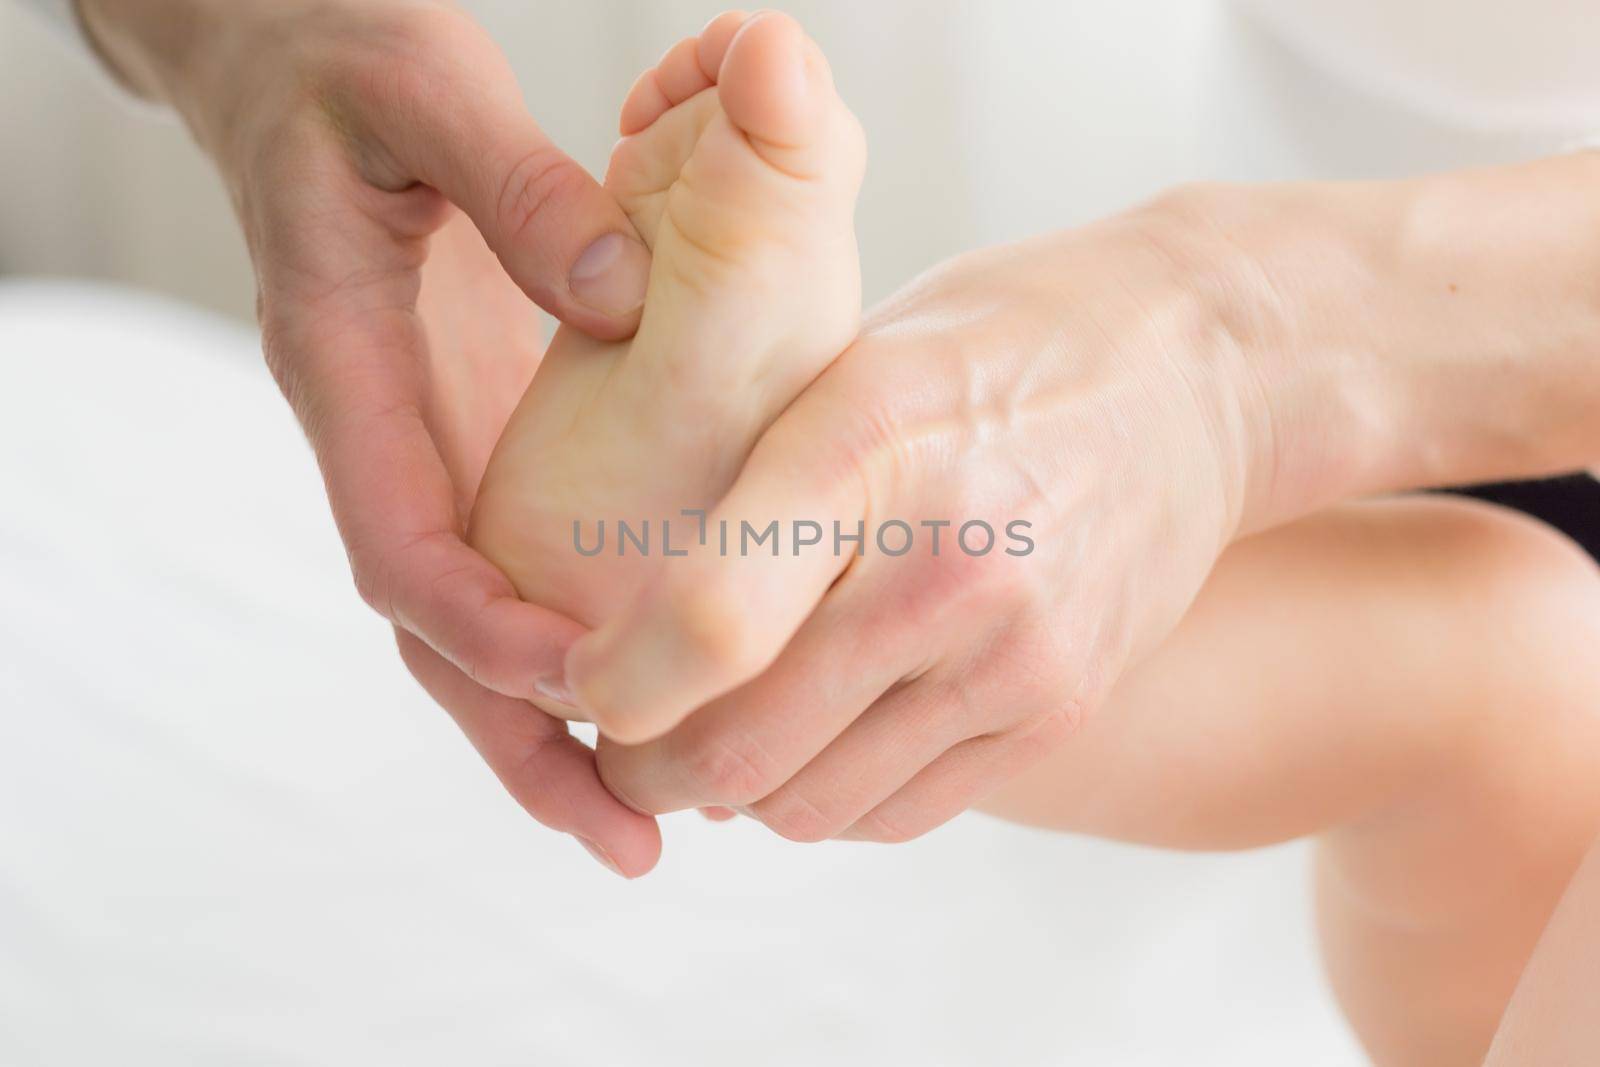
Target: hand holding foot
{"points": [[402, 207], [878, 695]]}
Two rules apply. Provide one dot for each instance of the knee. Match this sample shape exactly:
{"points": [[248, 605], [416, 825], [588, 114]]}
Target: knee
{"points": [[1522, 604], [1535, 590]]}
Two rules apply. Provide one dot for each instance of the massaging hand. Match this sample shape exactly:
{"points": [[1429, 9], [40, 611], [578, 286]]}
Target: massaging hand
{"points": [[1224, 360], [401, 208], [876, 696]]}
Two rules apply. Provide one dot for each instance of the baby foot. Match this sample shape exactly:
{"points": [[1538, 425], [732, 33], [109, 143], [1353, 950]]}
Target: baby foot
{"points": [[739, 166]]}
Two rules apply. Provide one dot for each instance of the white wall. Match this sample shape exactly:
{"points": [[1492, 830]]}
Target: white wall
{"points": [[90, 185], [986, 120]]}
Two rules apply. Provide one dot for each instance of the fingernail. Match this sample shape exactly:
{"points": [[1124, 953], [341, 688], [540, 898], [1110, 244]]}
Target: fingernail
{"points": [[600, 854], [611, 275], [555, 690]]}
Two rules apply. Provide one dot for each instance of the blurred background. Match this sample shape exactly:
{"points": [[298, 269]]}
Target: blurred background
{"points": [[235, 832], [99, 187], [986, 121]]}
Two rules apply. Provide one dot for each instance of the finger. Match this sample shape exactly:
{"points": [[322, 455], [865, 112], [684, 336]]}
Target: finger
{"points": [[748, 743], [442, 590], [717, 814], [549, 772], [874, 758], [455, 120], [341, 334], [959, 779], [396, 508], [718, 617]]}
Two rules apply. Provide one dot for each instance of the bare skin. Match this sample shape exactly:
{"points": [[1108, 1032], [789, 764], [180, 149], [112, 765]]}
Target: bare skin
{"points": [[1354, 322], [1553, 1019], [739, 167], [1412, 682], [1360, 675], [1145, 390]]}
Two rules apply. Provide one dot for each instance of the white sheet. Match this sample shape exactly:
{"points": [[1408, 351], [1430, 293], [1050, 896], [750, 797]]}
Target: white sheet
{"points": [[233, 831]]}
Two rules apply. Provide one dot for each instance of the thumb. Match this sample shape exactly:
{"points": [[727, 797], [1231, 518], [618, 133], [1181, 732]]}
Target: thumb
{"points": [[454, 119], [717, 617]]}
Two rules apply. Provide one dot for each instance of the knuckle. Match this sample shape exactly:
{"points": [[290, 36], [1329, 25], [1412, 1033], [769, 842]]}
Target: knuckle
{"points": [[537, 188], [411, 652], [376, 572], [728, 769], [885, 829], [1042, 731], [975, 579], [370, 575], [955, 583], [792, 816], [473, 650], [619, 776], [278, 350]]}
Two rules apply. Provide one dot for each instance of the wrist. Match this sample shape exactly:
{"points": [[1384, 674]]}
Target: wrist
{"points": [[1488, 326], [1269, 413], [1400, 335], [1286, 279]]}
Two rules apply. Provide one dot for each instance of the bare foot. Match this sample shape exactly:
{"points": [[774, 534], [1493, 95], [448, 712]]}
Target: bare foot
{"points": [[739, 167]]}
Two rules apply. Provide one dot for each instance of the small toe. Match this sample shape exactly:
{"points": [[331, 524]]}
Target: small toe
{"points": [[715, 39], [645, 103], [679, 73]]}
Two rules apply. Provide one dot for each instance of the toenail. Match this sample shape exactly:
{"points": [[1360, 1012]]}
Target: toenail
{"points": [[611, 275]]}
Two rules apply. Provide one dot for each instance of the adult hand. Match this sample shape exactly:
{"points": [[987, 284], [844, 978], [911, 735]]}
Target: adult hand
{"points": [[401, 208], [1139, 392], [877, 695]]}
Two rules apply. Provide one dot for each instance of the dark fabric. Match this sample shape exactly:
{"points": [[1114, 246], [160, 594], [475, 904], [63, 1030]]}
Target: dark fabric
{"points": [[1570, 504]]}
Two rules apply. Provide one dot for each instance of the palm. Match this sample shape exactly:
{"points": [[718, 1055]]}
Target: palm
{"points": [[484, 341]]}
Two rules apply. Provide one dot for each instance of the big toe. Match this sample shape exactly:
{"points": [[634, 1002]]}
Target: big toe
{"points": [[775, 86]]}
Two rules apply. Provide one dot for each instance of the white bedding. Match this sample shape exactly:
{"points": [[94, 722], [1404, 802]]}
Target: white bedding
{"points": [[232, 831]]}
